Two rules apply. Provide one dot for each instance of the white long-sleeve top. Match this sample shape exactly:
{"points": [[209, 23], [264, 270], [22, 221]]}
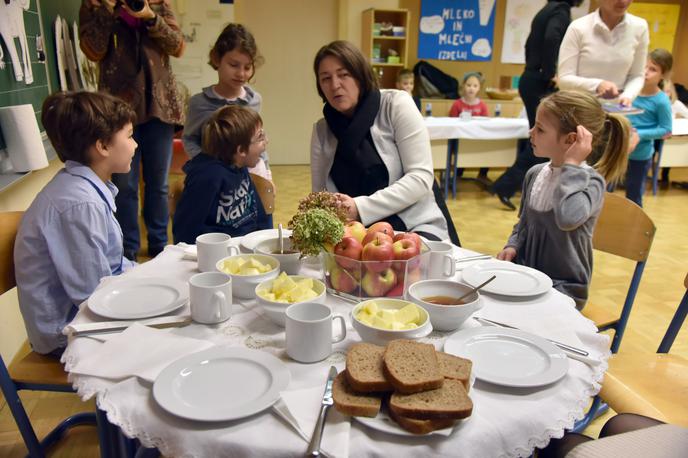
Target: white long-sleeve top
{"points": [[403, 143], [591, 53]]}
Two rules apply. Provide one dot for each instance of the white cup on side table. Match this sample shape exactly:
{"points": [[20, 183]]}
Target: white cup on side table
{"points": [[442, 263], [210, 295], [211, 248], [309, 331]]}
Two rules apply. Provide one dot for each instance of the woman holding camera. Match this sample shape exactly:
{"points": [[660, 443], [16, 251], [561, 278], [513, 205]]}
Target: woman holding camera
{"points": [[132, 41]]}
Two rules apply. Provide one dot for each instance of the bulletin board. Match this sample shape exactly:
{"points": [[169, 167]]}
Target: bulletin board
{"points": [[17, 85], [456, 31], [662, 19]]}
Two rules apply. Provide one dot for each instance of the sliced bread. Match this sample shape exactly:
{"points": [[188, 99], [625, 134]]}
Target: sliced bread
{"points": [[349, 402], [449, 401], [455, 367], [412, 366], [420, 426], [364, 368]]}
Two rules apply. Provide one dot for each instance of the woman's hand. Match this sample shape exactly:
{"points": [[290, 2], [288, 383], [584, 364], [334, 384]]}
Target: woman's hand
{"points": [[607, 90], [350, 205], [580, 149], [625, 101], [507, 254]]}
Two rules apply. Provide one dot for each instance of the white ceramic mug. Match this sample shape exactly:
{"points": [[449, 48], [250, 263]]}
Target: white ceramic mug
{"points": [[309, 331], [211, 248], [210, 295], [442, 263]]}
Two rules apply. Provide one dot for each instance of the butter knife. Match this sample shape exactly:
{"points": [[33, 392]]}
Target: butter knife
{"points": [[561, 345], [120, 328], [314, 446]]}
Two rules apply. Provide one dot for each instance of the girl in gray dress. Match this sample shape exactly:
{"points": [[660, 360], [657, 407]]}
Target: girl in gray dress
{"points": [[563, 197]]}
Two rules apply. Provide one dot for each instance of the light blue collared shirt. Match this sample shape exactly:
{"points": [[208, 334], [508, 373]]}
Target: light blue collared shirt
{"points": [[68, 240]]}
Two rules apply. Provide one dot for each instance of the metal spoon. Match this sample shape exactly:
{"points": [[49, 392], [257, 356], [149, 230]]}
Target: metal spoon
{"points": [[281, 239], [477, 287]]}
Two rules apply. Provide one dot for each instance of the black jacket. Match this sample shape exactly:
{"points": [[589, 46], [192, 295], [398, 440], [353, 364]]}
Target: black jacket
{"points": [[546, 33]]}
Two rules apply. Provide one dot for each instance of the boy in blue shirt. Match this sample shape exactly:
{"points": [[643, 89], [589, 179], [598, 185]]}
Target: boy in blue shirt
{"points": [[219, 195], [652, 124], [69, 237]]}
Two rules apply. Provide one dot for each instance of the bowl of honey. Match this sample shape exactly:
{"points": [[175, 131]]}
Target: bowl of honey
{"points": [[441, 300]]}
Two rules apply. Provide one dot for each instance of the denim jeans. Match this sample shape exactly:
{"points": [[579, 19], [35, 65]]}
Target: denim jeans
{"points": [[636, 175], [154, 155]]}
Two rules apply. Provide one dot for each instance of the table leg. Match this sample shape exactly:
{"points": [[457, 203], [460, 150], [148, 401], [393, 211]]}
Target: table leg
{"points": [[455, 168], [447, 169]]}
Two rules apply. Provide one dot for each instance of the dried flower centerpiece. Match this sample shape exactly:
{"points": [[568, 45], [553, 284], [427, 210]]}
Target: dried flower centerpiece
{"points": [[318, 223]]}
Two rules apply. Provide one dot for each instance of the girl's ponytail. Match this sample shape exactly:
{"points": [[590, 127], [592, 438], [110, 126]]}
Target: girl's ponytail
{"points": [[612, 164]]}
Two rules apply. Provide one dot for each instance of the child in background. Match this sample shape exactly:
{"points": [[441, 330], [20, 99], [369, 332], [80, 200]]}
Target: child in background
{"points": [[69, 237], [652, 124], [562, 198], [405, 80], [470, 102], [678, 108], [219, 195], [235, 57]]}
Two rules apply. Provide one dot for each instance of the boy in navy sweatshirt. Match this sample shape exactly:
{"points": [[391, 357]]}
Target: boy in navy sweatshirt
{"points": [[219, 195]]}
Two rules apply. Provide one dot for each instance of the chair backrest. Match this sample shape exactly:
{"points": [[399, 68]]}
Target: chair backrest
{"points": [[9, 224], [266, 192], [623, 229], [676, 322]]}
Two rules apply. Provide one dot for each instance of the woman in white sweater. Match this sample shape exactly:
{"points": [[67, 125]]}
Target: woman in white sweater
{"points": [[372, 146], [604, 52]]}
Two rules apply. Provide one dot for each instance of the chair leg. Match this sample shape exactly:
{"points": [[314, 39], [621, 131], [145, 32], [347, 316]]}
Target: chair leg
{"points": [[597, 408], [620, 327], [20, 417], [86, 418]]}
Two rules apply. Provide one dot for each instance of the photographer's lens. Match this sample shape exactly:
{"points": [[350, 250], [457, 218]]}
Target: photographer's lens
{"points": [[135, 5]]}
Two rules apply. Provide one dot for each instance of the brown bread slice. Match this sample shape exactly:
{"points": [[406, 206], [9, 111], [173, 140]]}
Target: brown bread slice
{"points": [[349, 402], [455, 367], [420, 426], [364, 368], [450, 401], [412, 366]]}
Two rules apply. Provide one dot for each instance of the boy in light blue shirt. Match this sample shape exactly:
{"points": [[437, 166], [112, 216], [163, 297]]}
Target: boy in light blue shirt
{"points": [[69, 238], [652, 124]]}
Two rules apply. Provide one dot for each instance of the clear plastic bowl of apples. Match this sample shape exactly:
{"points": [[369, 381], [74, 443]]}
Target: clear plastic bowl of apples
{"points": [[374, 262]]}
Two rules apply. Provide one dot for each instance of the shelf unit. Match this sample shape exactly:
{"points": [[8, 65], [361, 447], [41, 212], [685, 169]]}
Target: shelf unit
{"points": [[387, 72]]}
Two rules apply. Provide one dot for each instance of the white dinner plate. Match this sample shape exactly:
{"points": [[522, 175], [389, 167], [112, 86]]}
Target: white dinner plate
{"points": [[250, 241], [512, 279], [221, 383], [145, 297], [509, 357]]}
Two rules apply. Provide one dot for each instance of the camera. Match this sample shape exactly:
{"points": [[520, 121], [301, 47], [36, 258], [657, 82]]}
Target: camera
{"points": [[135, 5]]}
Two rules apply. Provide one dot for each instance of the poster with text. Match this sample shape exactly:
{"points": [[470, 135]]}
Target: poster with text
{"points": [[662, 21], [456, 29], [519, 16]]}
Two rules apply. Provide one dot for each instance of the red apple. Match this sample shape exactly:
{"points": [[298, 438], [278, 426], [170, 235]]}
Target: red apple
{"points": [[380, 249], [342, 280], [410, 236], [355, 229], [405, 249], [348, 252], [370, 236], [381, 226], [397, 291], [377, 284]]}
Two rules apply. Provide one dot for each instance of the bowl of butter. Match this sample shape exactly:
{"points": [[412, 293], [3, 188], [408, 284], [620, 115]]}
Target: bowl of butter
{"points": [[382, 320]]}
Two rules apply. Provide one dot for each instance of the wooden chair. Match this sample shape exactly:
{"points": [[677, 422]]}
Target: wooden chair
{"points": [[655, 384], [266, 192], [623, 229], [29, 370]]}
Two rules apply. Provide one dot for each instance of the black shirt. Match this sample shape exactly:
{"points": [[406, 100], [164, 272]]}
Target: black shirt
{"points": [[546, 33]]}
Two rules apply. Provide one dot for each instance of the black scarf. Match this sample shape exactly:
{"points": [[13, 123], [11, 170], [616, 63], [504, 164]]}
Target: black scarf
{"points": [[357, 169]]}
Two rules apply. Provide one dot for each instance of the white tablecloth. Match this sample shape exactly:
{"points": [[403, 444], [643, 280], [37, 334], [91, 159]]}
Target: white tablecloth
{"points": [[505, 422], [477, 128], [679, 126]]}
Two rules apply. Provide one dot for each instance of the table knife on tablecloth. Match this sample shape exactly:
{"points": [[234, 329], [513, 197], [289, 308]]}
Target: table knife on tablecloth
{"points": [[316, 438]]}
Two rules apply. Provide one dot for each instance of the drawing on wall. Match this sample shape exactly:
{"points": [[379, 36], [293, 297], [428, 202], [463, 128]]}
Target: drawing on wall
{"points": [[88, 70], [519, 15], [451, 33], [11, 27], [60, 54]]}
